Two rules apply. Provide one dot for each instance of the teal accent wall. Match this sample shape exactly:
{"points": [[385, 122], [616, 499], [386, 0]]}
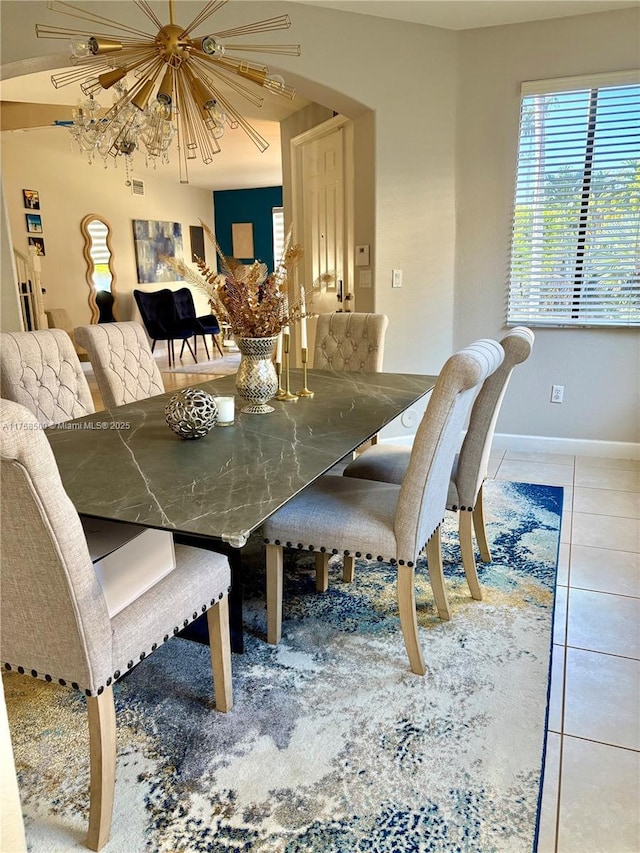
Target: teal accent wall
{"points": [[254, 206]]}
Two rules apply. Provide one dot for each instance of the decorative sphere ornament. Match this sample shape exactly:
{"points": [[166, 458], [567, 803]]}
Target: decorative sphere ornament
{"points": [[191, 413]]}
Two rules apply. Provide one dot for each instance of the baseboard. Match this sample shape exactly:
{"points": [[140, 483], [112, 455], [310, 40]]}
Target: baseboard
{"points": [[575, 446], [549, 444]]}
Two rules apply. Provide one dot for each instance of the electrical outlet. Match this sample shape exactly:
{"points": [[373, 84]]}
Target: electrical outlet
{"points": [[557, 393]]}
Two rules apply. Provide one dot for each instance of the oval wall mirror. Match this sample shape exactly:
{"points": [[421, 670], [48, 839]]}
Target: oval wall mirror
{"points": [[101, 277]]}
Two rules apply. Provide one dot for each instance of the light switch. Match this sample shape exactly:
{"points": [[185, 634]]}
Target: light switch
{"points": [[396, 278]]}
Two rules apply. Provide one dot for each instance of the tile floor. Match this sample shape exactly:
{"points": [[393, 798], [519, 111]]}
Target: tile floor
{"points": [[591, 791]]}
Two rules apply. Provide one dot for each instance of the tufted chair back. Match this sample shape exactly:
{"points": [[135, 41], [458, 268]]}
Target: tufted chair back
{"points": [[122, 361], [470, 468], [350, 341], [41, 370]]}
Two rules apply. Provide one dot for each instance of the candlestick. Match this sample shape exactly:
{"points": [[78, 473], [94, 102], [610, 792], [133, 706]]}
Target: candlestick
{"points": [[303, 320], [286, 395], [279, 348], [305, 391]]}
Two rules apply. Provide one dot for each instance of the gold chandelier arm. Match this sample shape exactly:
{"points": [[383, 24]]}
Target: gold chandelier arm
{"points": [[84, 15], [282, 22], [235, 119], [205, 13], [148, 11], [48, 32], [77, 75], [206, 68], [282, 49]]}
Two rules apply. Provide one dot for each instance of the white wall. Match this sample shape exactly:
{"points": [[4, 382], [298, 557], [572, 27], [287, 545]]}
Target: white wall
{"points": [[70, 189], [600, 369]]}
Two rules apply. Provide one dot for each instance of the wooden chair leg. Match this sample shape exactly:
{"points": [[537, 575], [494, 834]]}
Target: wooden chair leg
{"points": [[480, 529], [214, 338], [468, 559], [206, 348], [275, 572], [436, 575], [220, 646], [408, 618], [193, 355], [322, 571], [348, 568], [102, 749], [182, 349]]}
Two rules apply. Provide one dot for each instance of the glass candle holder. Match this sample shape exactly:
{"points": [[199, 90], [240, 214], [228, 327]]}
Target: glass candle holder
{"points": [[226, 411]]}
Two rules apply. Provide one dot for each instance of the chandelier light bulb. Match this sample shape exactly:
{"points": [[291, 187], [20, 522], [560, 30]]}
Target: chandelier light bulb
{"points": [[274, 82], [80, 47], [211, 46]]}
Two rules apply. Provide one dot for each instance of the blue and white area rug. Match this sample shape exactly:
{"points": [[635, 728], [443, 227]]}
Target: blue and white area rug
{"points": [[333, 745]]}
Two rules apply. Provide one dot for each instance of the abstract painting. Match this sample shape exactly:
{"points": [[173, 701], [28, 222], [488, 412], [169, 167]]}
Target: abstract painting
{"points": [[153, 240]]}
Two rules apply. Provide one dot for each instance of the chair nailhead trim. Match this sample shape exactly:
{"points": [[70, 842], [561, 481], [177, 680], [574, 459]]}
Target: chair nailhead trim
{"points": [[34, 673]]}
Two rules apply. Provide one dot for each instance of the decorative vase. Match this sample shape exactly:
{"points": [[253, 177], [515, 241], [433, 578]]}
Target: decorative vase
{"points": [[256, 379], [191, 413]]}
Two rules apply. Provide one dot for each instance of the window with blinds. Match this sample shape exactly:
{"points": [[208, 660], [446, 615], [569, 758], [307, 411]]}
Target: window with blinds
{"points": [[277, 214], [575, 252]]}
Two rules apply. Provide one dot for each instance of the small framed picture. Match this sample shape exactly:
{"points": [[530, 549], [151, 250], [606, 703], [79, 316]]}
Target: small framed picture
{"points": [[31, 199], [38, 242], [34, 223]]}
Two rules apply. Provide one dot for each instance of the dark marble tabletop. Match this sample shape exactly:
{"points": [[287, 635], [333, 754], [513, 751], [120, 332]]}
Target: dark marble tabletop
{"points": [[129, 466]]}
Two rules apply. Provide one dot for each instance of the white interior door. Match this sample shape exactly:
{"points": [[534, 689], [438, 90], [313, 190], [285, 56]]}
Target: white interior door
{"points": [[322, 215]]}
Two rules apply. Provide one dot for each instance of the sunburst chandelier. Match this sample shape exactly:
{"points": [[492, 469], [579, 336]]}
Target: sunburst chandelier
{"points": [[164, 85]]}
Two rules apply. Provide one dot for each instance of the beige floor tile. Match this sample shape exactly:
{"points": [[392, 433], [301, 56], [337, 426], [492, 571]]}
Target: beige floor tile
{"points": [[539, 456], [599, 799], [564, 553], [602, 622], [560, 615], [549, 806], [606, 531], [565, 528], [607, 502], [583, 462], [600, 699], [554, 723], [492, 466], [608, 478], [604, 570], [536, 472]]}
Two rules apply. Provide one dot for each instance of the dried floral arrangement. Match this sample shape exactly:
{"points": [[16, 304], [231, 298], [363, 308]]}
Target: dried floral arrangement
{"points": [[255, 305]]}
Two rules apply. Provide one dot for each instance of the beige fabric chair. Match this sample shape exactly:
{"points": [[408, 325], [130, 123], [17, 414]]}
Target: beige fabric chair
{"points": [[54, 620], [350, 341], [41, 370], [58, 318], [122, 362], [388, 463], [350, 516]]}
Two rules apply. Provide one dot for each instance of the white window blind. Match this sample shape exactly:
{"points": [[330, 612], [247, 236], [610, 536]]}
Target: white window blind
{"points": [[575, 252], [277, 214]]}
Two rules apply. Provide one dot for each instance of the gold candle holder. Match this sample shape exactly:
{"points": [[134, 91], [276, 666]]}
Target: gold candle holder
{"points": [[305, 391], [286, 395], [280, 390]]}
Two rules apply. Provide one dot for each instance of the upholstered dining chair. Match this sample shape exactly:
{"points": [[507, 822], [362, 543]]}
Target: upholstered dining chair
{"points": [[122, 362], [206, 324], [350, 341], [158, 311], [393, 522], [55, 623], [388, 463], [41, 370]]}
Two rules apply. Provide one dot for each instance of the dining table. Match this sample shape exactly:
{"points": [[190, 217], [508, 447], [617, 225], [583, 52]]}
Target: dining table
{"points": [[127, 465]]}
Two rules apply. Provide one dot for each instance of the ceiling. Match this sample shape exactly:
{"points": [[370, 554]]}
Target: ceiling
{"points": [[472, 14], [239, 164]]}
